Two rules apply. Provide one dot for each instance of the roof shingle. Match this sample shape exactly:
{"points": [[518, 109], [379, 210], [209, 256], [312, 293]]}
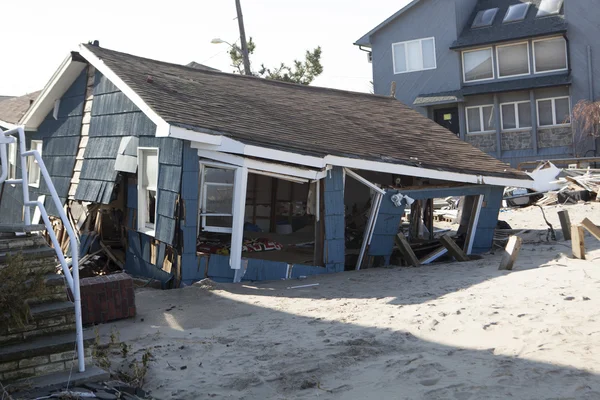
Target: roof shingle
{"points": [[12, 109]]}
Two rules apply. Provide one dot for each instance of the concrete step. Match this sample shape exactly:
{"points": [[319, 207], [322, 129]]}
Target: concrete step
{"points": [[21, 242], [40, 386], [41, 355], [20, 228], [36, 260], [46, 318]]}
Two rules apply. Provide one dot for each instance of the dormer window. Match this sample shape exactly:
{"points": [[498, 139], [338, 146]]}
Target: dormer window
{"points": [[484, 18], [516, 12], [549, 7]]}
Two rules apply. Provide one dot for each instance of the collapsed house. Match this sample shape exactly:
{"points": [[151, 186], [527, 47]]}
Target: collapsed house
{"points": [[189, 173]]}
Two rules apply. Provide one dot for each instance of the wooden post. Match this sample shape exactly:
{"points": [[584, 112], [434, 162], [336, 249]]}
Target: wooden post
{"points": [[591, 227], [453, 249], [416, 219], [429, 217], [511, 252], [565, 223], [577, 241], [407, 252]]}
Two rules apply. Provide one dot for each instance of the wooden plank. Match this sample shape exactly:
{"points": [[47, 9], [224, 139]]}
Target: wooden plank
{"points": [[429, 217], [565, 223], [454, 249], [434, 255], [473, 222], [511, 252], [591, 227], [577, 241], [415, 219], [407, 252]]}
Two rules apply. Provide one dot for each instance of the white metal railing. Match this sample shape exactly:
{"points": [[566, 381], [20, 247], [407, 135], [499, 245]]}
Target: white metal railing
{"points": [[72, 279]]}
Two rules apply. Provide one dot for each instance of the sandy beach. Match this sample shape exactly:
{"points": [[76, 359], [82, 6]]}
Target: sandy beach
{"points": [[444, 331]]}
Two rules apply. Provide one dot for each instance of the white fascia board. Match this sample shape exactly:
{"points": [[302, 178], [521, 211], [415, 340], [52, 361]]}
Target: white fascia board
{"points": [[427, 173], [262, 165], [7, 125], [193, 136], [60, 82], [162, 127]]}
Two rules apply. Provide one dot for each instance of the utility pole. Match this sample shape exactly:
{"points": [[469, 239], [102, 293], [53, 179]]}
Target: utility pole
{"points": [[243, 38]]}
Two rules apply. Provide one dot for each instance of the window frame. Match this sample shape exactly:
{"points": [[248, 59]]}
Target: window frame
{"points": [[490, 48], [32, 163], [142, 220], [202, 203], [498, 60], [495, 9], [515, 104], [528, 5], [481, 120], [553, 99], [12, 160], [533, 42], [405, 43]]}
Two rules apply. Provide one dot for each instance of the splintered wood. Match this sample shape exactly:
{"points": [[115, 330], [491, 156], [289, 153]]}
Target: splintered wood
{"points": [[511, 252], [407, 252], [578, 241], [565, 223], [454, 249]]}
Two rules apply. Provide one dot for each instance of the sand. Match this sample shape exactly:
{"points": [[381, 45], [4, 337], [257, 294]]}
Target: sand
{"points": [[446, 331]]}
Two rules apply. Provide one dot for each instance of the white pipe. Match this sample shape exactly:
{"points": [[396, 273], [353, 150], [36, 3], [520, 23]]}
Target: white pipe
{"points": [[3, 160]]}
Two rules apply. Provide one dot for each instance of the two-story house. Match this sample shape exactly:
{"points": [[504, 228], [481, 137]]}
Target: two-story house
{"points": [[504, 75]]}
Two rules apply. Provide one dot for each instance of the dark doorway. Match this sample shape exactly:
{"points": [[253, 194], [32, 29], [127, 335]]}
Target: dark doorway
{"points": [[448, 118]]}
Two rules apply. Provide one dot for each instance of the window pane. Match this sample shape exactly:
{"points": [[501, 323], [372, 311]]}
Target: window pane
{"points": [[218, 175], [222, 222], [488, 118], [428, 53], [484, 18], [478, 65], [473, 120], [549, 7], [545, 112], [524, 115], [516, 12], [399, 58], [513, 60], [508, 116], [150, 165], [550, 55], [151, 206], [563, 111], [415, 61], [219, 199]]}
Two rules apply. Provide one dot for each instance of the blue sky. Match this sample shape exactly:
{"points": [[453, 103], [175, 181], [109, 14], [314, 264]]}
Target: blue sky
{"points": [[41, 34]]}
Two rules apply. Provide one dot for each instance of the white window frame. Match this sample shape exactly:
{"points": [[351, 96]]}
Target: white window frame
{"points": [[463, 64], [481, 120], [420, 53], [515, 104], [554, 124], [144, 226], [535, 71], [12, 161], [32, 163], [202, 204], [498, 60]]}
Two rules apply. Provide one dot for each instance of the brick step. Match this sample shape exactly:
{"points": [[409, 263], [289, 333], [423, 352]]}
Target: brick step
{"points": [[46, 318], [21, 242], [42, 355]]}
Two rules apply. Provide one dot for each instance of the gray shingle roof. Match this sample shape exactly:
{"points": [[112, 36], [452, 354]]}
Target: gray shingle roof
{"points": [[302, 119], [531, 26], [12, 109]]}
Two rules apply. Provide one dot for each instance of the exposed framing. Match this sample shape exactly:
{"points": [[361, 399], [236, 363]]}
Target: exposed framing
{"points": [[481, 120], [143, 225], [473, 222], [515, 104], [535, 71], [553, 100], [498, 60], [394, 45], [462, 56]]}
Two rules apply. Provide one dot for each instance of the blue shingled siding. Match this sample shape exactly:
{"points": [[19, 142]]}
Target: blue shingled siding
{"points": [[60, 144], [389, 216], [334, 243], [192, 269]]}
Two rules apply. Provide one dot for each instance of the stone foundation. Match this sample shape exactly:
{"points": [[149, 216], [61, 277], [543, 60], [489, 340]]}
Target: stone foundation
{"points": [[516, 140], [484, 141], [555, 137]]}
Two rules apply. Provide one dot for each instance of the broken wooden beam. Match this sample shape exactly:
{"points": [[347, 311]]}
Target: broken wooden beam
{"points": [[578, 241], [591, 228], [407, 252], [511, 252], [565, 223], [454, 249]]}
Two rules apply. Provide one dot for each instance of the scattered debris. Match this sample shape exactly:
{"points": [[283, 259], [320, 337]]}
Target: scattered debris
{"points": [[511, 253], [303, 286]]}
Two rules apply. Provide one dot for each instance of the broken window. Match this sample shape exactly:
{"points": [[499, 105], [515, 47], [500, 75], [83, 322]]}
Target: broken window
{"points": [[33, 167], [147, 189]]}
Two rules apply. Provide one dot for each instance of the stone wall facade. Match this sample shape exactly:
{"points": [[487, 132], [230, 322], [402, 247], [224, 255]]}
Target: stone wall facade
{"points": [[516, 140], [484, 141], [555, 137]]}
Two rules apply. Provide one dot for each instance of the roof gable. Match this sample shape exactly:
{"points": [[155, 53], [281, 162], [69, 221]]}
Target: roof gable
{"points": [[365, 40]]}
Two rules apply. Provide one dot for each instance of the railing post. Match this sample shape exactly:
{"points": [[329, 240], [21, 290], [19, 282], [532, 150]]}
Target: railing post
{"points": [[24, 175]]}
